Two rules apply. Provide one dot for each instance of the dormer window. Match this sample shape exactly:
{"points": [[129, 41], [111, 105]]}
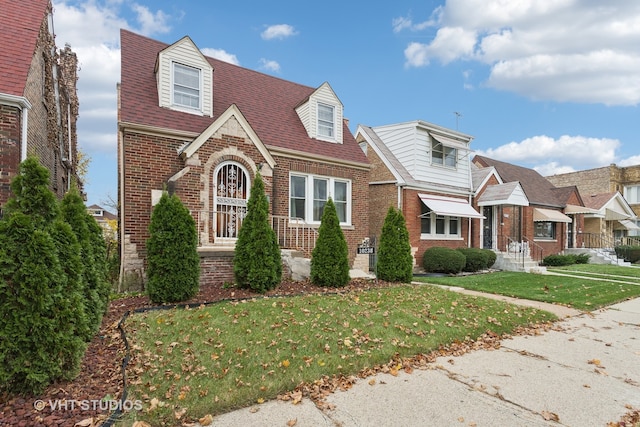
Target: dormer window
{"points": [[326, 121], [186, 86], [443, 155]]}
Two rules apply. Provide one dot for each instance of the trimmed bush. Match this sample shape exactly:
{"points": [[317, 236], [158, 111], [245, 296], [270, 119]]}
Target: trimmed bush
{"points": [[628, 253], [395, 262], [475, 259], [257, 263], [582, 258], [558, 260], [443, 260], [330, 257], [491, 257], [173, 271]]}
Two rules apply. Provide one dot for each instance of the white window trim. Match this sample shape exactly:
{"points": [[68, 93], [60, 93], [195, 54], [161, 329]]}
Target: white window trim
{"points": [[182, 107], [444, 157], [446, 235], [309, 195], [335, 126]]}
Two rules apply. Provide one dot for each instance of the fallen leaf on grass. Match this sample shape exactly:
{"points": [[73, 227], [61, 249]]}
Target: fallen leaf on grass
{"points": [[87, 422], [550, 416], [180, 413], [206, 420], [141, 424]]}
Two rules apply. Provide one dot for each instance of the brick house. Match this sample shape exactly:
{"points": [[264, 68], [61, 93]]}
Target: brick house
{"points": [[204, 128], [601, 189], [424, 170], [521, 207], [38, 99]]}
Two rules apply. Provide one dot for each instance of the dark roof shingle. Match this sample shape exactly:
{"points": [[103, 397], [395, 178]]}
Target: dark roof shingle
{"points": [[20, 22], [268, 103], [538, 189]]}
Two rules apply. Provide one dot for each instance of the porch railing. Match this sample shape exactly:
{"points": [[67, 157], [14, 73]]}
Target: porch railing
{"points": [[221, 229], [521, 251], [595, 241]]}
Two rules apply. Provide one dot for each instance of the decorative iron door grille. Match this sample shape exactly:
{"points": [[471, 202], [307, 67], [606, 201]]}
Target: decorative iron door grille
{"points": [[230, 201]]}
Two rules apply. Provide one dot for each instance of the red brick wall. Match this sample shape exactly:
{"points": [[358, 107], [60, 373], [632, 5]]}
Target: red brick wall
{"points": [[411, 208], [150, 161], [47, 138], [10, 126]]}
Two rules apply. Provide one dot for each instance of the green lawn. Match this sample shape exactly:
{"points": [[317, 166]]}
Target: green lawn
{"points": [[589, 292], [214, 359]]}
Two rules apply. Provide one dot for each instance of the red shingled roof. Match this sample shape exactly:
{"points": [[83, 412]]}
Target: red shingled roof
{"points": [[268, 103], [20, 23]]}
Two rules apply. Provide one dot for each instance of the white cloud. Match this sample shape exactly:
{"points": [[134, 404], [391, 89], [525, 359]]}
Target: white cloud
{"points": [[279, 31], [630, 161], [269, 65], [92, 29], [150, 22], [564, 154], [221, 54], [562, 50]]}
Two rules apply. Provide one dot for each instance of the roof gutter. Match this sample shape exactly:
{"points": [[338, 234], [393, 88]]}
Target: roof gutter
{"points": [[24, 105]]}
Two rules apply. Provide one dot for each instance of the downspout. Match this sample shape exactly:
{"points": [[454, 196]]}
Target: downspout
{"points": [[23, 138]]}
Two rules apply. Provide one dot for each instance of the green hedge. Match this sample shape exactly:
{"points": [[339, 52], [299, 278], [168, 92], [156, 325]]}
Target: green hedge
{"points": [[628, 253], [562, 260], [475, 259], [443, 260]]}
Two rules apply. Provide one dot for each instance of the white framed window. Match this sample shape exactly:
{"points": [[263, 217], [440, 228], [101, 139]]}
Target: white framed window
{"points": [[326, 121], [186, 86], [443, 155], [545, 230], [308, 195], [632, 194], [434, 226]]}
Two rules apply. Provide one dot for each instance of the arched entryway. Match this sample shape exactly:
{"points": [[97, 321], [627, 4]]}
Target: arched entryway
{"points": [[231, 192]]}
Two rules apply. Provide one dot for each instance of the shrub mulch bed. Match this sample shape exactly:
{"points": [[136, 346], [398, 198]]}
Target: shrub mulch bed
{"points": [[101, 374]]}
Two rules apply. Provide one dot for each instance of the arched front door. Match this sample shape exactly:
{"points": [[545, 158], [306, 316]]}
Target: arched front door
{"points": [[232, 187]]}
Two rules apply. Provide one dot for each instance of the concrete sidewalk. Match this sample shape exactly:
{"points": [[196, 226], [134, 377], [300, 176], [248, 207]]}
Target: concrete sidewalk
{"points": [[587, 373]]}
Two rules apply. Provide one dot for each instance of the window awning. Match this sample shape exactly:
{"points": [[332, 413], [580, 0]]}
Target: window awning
{"points": [[575, 209], [628, 224], [550, 215], [449, 206]]}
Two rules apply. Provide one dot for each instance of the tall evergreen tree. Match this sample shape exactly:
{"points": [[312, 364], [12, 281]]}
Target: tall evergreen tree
{"points": [[39, 320], [173, 272], [94, 285], [395, 262], [257, 263], [330, 257]]}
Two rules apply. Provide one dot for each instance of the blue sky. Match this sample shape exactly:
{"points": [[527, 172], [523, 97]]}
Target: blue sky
{"points": [[552, 85]]}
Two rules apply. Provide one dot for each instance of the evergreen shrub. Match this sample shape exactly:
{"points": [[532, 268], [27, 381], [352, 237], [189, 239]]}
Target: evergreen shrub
{"points": [[475, 259], [395, 262], [173, 273], [443, 260], [257, 263], [330, 257]]}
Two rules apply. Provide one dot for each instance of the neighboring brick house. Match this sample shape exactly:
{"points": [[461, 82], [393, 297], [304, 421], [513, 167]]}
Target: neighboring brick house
{"points": [[106, 220], [38, 99], [424, 170], [598, 187], [203, 128], [520, 205]]}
